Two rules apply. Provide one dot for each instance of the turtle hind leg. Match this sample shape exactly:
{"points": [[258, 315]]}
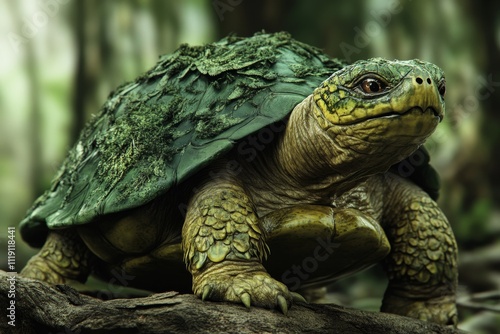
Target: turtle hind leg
{"points": [[63, 259]]}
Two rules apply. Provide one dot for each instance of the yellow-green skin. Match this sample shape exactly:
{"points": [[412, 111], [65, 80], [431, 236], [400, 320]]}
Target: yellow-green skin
{"points": [[314, 205]]}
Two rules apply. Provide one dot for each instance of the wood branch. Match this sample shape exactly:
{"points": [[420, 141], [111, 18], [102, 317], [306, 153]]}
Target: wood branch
{"points": [[40, 308]]}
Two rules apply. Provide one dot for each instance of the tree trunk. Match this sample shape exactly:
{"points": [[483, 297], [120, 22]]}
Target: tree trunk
{"points": [[40, 308], [80, 84], [34, 115], [489, 95]]}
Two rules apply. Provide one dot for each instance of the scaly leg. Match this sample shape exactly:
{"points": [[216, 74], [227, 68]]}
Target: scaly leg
{"points": [[224, 246], [422, 265], [63, 258]]}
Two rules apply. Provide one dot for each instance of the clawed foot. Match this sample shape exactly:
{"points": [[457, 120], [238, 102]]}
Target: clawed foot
{"points": [[37, 268], [246, 283], [441, 310], [41, 270]]}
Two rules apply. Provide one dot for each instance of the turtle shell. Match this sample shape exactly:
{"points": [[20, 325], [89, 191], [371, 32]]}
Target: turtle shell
{"points": [[188, 110]]}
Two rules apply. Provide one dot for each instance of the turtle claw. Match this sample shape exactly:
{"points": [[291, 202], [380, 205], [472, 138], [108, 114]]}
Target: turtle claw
{"points": [[283, 305], [298, 298], [206, 292], [246, 300], [250, 286]]}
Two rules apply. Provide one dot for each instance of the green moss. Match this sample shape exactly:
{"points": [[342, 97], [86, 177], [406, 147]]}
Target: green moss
{"points": [[214, 125], [147, 130], [301, 70]]}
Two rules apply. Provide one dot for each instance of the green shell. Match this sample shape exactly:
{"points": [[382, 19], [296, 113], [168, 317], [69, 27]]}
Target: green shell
{"points": [[191, 108]]}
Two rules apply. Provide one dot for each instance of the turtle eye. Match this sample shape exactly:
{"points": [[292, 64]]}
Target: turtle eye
{"points": [[442, 87], [372, 86]]}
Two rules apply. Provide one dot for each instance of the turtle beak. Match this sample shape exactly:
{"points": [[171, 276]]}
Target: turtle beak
{"points": [[425, 94]]}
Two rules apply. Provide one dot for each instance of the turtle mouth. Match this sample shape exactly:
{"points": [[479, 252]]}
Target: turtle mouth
{"points": [[414, 111]]}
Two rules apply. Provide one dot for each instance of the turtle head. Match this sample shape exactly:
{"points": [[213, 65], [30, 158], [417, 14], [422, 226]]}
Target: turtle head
{"points": [[381, 109]]}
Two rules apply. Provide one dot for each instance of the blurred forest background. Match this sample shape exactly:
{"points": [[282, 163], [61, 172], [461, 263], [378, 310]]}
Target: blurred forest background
{"points": [[61, 58]]}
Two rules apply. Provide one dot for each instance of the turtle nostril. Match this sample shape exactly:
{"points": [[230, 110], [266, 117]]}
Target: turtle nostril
{"points": [[429, 81], [419, 80]]}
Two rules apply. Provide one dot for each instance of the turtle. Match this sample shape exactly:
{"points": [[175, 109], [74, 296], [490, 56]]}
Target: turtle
{"points": [[250, 169]]}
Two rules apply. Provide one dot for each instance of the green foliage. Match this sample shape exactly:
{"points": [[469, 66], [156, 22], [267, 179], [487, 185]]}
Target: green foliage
{"points": [[473, 225]]}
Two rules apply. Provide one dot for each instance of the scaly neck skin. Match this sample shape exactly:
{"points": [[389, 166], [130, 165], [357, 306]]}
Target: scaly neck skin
{"points": [[315, 162], [312, 158]]}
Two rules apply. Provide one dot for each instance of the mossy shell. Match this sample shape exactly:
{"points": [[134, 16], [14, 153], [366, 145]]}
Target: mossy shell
{"points": [[191, 108]]}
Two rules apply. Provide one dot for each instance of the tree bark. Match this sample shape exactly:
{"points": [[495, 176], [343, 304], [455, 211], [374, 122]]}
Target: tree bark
{"points": [[40, 308]]}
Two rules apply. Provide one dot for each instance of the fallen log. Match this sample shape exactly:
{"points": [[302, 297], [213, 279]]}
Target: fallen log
{"points": [[41, 308]]}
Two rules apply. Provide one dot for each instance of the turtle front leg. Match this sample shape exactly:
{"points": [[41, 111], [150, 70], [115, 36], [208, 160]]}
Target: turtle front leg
{"points": [[224, 246], [63, 259], [422, 265]]}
